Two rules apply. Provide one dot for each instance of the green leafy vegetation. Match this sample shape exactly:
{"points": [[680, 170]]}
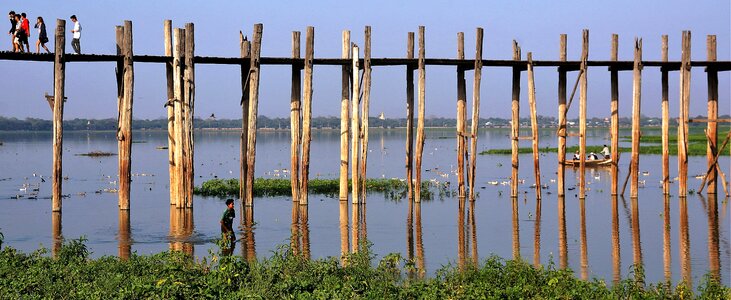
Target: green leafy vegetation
{"points": [[283, 275], [269, 187]]}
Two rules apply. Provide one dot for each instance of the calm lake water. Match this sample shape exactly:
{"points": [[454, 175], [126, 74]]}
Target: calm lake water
{"points": [[599, 237]]}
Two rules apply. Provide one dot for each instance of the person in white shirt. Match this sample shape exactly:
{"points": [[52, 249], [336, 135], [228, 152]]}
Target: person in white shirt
{"points": [[605, 152], [75, 43]]}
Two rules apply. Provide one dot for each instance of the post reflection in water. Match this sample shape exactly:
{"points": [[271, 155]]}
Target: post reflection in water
{"points": [[300, 239], [473, 226], [56, 234], [537, 235], [516, 230], [562, 247], [181, 229], [344, 239], [684, 240], [713, 247], [125, 242], [461, 245], [584, 255], [410, 235], [248, 244], [420, 263], [359, 233], [616, 253], [667, 255], [636, 240]]}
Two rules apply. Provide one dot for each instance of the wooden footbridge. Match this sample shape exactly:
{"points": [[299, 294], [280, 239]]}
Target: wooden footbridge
{"points": [[180, 61]]}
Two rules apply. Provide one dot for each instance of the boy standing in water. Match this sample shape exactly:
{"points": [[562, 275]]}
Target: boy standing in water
{"points": [[227, 231]]}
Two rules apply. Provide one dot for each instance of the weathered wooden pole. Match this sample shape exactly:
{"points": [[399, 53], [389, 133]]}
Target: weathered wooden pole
{"points": [[366, 111], [461, 123], [534, 124], [253, 110], [59, 82], [344, 118], [119, 71], [169, 105], [294, 118], [683, 116], [614, 113], [421, 113], [307, 114], [562, 119], [188, 111], [636, 104], [245, 54], [124, 127], [410, 116], [712, 125], [178, 85], [355, 126], [515, 123], [475, 112], [665, 121], [582, 114]]}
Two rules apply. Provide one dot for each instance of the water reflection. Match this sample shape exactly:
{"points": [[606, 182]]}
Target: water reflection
{"points": [[344, 239], [473, 236], [516, 229], [181, 229], [248, 244], [684, 240], [713, 247], [584, 254], [125, 242], [56, 233], [562, 247], [300, 230], [420, 260], [667, 256], [636, 241], [616, 253], [414, 239], [537, 235]]}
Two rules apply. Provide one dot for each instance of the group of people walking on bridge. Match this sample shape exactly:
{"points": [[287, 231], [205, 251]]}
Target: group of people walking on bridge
{"points": [[20, 33]]}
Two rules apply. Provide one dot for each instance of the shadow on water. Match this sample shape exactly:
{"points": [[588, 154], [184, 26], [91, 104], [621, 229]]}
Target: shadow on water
{"points": [[181, 230]]}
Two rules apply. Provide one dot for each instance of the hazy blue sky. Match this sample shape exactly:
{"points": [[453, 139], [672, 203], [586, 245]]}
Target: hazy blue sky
{"points": [[536, 25]]}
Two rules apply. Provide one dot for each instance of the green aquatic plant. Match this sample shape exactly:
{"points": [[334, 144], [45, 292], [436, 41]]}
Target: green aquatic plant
{"points": [[286, 275], [269, 187]]}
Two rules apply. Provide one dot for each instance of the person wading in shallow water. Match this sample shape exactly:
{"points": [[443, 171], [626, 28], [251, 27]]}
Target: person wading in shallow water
{"points": [[227, 232]]}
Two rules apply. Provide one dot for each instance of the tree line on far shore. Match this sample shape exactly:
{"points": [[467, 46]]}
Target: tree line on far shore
{"points": [[330, 122]]}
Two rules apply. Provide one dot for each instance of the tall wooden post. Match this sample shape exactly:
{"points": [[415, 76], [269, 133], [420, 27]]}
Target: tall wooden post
{"points": [[253, 109], [294, 118], [124, 129], [582, 114], [307, 114], [562, 119], [515, 123], [59, 82], [614, 120], [410, 116], [169, 105], [683, 116], [712, 147], [366, 111], [245, 54], [344, 118], [636, 97], [188, 111], [461, 116], [665, 121], [534, 124], [355, 125], [421, 113], [178, 86], [475, 112], [123, 194]]}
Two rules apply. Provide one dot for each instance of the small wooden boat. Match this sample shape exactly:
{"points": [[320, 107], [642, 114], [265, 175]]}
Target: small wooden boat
{"points": [[590, 163]]}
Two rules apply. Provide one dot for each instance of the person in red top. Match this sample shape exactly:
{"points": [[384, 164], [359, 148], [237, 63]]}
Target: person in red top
{"points": [[26, 28]]}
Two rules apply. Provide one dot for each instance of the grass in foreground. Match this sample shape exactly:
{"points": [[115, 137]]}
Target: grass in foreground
{"points": [[268, 187], [284, 275]]}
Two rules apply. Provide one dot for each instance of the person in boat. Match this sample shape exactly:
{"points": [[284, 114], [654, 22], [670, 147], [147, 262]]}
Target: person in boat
{"points": [[605, 152], [593, 156], [576, 155]]}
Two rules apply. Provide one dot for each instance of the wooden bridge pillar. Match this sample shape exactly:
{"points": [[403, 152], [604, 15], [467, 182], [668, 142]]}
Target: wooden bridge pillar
{"points": [[245, 46], [461, 116], [125, 84], [188, 113], [355, 126], [582, 113], [636, 134], [344, 118], [169, 105], [253, 111], [366, 95], [534, 125], [421, 113], [295, 116], [410, 116], [307, 115], [475, 113], [562, 119], [59, 81], [178, 123], [614, 116], [665, 121], [683, 116], [712, 126], [515, 123]]}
